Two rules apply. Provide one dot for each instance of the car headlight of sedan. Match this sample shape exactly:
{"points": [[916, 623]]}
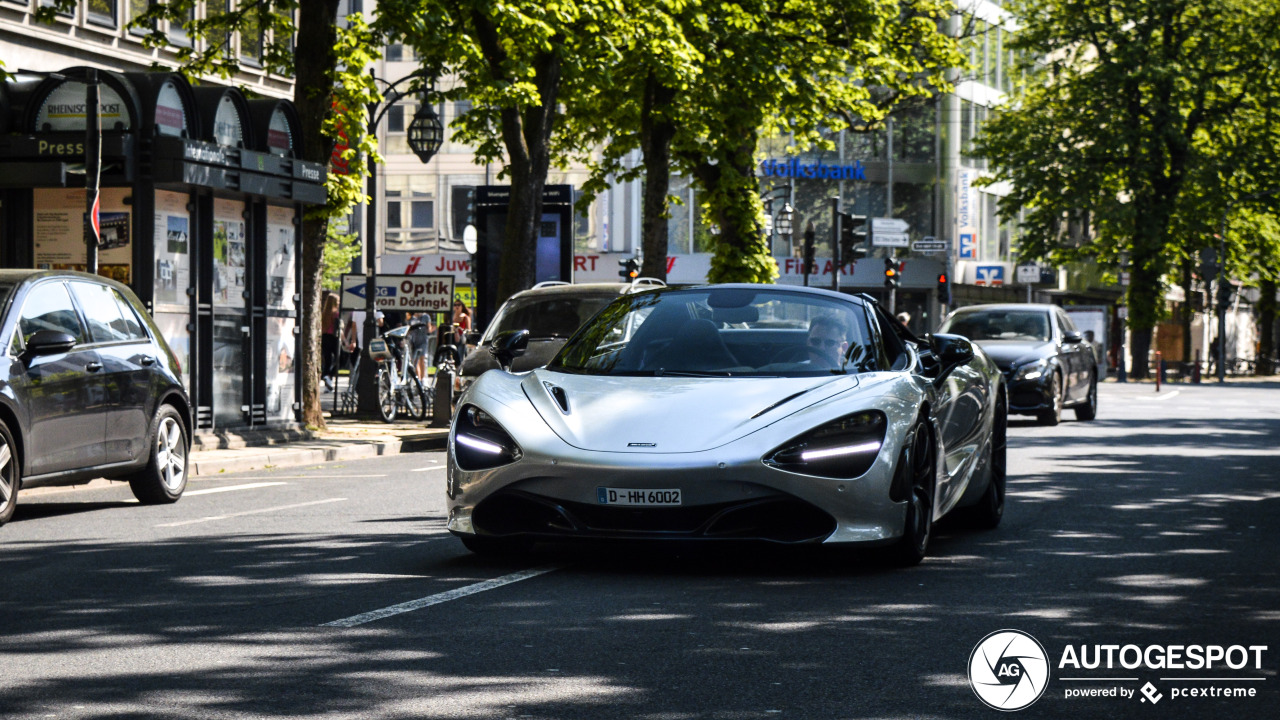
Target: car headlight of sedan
{"points": [[1032, 370], [480, 442], [844, 448]]}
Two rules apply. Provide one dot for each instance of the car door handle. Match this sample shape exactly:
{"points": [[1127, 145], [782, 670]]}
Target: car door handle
{"points": [[93, 366], [147, 360]]}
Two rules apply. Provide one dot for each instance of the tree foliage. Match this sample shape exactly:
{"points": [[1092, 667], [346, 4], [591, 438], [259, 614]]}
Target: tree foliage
{"points": [[715, 78], [1134, 120]]}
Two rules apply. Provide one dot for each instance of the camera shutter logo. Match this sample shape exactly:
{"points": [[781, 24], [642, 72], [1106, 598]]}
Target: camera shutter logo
{"points": [[1008, 670]]}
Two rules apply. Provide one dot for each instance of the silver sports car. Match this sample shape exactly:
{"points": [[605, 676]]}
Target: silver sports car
{"points": [[731, 412]]}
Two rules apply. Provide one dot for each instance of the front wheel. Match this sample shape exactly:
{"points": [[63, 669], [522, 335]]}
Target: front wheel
{"points": [[10, 475], [1053, 415], [165, 476], [917, 459], [386, 396]]}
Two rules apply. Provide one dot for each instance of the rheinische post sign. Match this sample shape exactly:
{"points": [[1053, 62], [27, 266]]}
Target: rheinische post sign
{"points": [[412, 293]]}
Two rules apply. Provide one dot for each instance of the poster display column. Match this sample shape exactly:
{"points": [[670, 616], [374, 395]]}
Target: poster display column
{"points": [[281, 312], [230, 325], [59, 231], [173, 279]]}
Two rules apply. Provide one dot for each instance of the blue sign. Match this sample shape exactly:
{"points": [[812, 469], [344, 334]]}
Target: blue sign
{"points": [[989, 275], [793, 168], [968, 246]]}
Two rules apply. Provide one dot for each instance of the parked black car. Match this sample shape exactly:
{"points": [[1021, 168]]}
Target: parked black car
{"points": [[1045, 360], [88, 389]]}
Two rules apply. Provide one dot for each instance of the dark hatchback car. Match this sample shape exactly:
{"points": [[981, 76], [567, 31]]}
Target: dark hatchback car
{"points": [[1044, 358], [88, 389]]}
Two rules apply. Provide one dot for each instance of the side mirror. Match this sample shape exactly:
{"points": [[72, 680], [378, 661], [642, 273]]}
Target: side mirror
{"points": [[50, 342], [1072, 336], [951, 351], [508, 346]]}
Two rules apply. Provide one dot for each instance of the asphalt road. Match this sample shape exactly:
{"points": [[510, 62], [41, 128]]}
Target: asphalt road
{"points": [[1154, 525]]}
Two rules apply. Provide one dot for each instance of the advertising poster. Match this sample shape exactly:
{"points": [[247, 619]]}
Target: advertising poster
{"points": [[281, 280], [281, 349], [58, 226], [228, 253], [967, 215], [173, 248]]}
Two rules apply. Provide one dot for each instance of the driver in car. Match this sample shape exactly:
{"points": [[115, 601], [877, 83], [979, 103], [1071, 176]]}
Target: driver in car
{"points": [[826, 343]]}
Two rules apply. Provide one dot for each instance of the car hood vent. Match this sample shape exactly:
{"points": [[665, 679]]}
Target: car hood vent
{"points": [[668, 414], [559, 395]]}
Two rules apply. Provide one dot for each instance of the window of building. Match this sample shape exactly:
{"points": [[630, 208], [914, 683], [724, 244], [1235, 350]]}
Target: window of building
{"points": [[136, 8], [396, 142], [251, 38], [101, 12], [395, 119]]}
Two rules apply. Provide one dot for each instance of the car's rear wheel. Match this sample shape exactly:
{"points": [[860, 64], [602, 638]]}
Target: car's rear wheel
{"points": [[1053, 415], [165, 476], [918, 461], [10, 474], [496, 547], [1089, 410], [990, 510]]}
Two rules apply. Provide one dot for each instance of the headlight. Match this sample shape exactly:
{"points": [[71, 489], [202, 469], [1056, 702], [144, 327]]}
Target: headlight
{"points": [[1031, 370], [480, 442], [844, 448]]}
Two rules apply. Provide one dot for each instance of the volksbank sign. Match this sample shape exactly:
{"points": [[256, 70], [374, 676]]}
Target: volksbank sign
{"points": [[793, 168]]}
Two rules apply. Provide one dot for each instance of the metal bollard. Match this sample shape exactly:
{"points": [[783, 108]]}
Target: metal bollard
{"points": [[1159, 371], [442, 404], [1195, 370]]}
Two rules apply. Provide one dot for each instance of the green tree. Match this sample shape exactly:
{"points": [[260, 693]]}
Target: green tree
{"points": [[704, 82], [513, 62], [289, 38], [1121, 124]]}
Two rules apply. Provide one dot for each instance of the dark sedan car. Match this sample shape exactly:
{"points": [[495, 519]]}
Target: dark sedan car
{"points": [[88, 389], [1042, 354]]}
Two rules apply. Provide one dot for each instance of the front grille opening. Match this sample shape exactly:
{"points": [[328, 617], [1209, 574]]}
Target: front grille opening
{"points": [[781, 519]]}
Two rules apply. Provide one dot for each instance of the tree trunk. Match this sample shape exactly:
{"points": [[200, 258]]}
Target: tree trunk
{"points": [[732, 191], [1267, 322], [1187, 312], [526, 134], [315, 63], [656, 132]]}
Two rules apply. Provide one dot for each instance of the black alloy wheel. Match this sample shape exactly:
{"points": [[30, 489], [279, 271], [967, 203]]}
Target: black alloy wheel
{"points": [[1053, 415], [165, 476], [10, 475], [918, 460], [1089, 409]]}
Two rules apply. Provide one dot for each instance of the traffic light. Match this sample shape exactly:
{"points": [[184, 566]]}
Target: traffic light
{"points": [[891, 273], [942, 284], [853, 237], [629, 269]]}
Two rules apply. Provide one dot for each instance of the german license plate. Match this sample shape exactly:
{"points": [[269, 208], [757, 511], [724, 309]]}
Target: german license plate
{"points": [[637, 497]]}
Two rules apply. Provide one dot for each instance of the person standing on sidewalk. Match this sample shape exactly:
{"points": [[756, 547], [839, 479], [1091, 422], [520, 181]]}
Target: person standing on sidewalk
{"points": [[461, 326], [328, 339]]}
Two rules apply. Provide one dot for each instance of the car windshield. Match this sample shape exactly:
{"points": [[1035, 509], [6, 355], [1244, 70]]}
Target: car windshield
{"points": [[547, 316], [1018, 325], [722, 332]]}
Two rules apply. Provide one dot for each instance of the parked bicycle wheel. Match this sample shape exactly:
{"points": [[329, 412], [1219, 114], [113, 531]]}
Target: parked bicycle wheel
{"points": [[415, 395], [387, 402]]}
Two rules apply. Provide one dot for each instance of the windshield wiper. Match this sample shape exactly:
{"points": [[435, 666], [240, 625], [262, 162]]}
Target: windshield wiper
{"points": [[661, 372]]}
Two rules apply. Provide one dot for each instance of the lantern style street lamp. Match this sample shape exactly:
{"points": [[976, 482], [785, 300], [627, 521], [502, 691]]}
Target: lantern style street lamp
{"points": [[426, 135]]}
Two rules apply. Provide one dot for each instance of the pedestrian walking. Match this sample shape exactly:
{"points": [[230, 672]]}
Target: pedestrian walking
{"points": [[328, 339]]}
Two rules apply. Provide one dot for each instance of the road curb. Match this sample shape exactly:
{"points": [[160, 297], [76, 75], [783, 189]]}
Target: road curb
{"points": [[215, 462]]}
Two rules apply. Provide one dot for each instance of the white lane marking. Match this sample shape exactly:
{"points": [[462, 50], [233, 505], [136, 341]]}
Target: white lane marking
{"points": [[292, 477], [439, 467], [250, 512], [1175, 393], [229, 488], [438, 598]]}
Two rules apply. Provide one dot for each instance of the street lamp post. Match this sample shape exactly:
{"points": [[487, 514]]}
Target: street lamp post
{"points": [[426, 134]]}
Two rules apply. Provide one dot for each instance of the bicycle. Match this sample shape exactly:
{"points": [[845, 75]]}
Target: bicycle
{"points": [[398, 383]]}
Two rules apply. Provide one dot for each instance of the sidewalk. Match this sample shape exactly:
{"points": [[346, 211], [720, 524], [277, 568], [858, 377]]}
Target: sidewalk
{"points": [[345, 439]]}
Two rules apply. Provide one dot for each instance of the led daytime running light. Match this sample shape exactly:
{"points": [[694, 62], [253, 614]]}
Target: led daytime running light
{"points": [[859, 449], [477, 444]]}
